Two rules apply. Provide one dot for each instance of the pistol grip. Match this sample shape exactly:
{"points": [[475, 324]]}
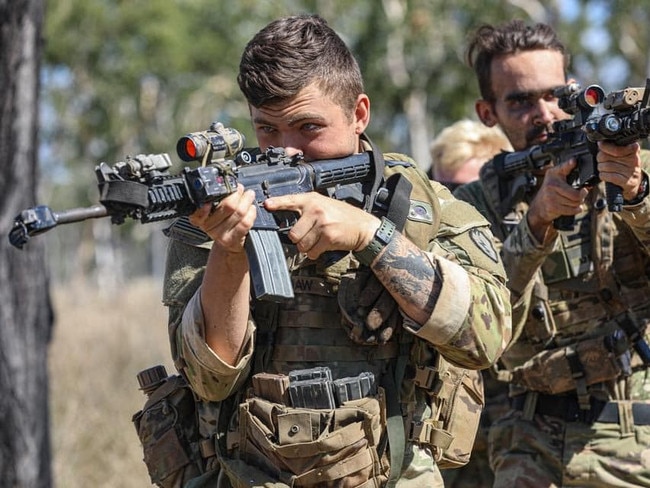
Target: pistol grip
{"points": [[614, 195], [565, 222]]}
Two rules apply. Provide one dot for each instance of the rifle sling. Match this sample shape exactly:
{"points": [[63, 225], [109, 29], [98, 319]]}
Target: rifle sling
{"points": [[399, 193], [129, 193]]}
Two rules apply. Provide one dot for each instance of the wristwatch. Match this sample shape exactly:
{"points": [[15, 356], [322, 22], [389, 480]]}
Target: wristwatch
{"points": [[380, 240]]}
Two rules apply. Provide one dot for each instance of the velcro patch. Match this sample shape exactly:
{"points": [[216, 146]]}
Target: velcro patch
{"points": [[421, 211], [484, 243]]}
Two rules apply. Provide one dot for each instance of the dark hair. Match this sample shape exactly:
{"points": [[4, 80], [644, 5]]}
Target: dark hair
{"points": [[291, 53], [512, 37]]}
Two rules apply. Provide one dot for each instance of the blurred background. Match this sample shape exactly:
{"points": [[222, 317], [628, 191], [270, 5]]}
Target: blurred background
{"points": [[121, 78]]}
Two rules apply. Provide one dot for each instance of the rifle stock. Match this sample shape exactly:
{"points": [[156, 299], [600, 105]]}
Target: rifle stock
{"points": [[142, 188]]}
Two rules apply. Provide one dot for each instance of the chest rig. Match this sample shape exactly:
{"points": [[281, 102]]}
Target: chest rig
{"points": [[307, 329], [589, 307], [310, 329]]}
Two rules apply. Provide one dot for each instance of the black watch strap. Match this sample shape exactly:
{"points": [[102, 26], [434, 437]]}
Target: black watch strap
{"points": [[380, 240]]}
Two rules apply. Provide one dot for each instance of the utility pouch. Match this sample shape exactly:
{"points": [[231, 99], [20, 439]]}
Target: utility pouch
{"points": [[457, 400], [554, 371], [168, 430], [303, 447]]}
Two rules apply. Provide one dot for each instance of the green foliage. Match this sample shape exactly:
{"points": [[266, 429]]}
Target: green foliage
{"points": [[127, 77]]}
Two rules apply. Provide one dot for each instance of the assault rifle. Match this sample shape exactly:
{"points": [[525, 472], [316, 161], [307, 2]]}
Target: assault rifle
{"points": [[142, 188], [627, 120]]}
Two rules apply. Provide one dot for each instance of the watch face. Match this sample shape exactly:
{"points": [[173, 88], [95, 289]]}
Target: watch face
{"points": [[385, 231]]}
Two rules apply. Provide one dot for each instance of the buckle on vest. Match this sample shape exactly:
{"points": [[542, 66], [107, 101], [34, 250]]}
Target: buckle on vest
{"points": [[428, 432], [424, 376], [427, 377], [207, 447]]}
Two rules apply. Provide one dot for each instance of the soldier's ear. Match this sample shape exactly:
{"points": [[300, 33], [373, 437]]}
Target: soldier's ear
{"points": [[361, 113], [485, 111]]}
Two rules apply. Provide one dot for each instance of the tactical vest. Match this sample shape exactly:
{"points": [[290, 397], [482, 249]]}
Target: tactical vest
{"points": [[594, 283], [310, 330], [304, 337]]}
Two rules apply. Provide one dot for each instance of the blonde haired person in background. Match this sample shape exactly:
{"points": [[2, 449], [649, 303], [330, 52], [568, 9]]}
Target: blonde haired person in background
{"points": [[459, 151]]}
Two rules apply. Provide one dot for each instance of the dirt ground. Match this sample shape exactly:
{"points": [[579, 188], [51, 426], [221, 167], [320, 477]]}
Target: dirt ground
{"points": [[100, 343]]}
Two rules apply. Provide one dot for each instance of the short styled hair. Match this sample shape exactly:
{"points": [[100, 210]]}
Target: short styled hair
{"points": [[293, 52], [489, 42], [461, 141]]}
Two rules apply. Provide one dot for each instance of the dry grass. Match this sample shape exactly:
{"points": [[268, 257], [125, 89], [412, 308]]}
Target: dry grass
{"points": [[100, 343]]}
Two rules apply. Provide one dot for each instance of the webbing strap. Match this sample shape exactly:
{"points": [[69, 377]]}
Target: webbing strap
{"points": [[394, 419], [400, 202], [335, 471], [351, 353], [378, 161], [429, 432], [395, 428], [119, 192], [578, 375]]}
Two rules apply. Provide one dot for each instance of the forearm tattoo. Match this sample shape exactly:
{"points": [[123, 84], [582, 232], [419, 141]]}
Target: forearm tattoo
{"points": [[408, 274]]}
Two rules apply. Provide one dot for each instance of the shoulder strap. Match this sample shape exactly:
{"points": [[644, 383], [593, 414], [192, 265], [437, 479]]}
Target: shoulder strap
{"points": [[395, 204], [399, 189], [378, 160]]}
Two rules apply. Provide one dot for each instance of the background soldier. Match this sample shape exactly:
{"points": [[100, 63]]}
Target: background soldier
{"points": [[581, 298], [457, 155]]}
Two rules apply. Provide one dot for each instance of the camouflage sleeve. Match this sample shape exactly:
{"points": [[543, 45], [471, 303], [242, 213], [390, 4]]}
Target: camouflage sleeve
{"points": [[637, 216], [471, 322], [183, 274], [523, 255], [521, 243], [210, 378]]}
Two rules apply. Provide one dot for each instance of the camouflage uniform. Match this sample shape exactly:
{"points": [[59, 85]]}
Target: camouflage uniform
{"points": [[579, 392], [477, 473], [310, 330]]}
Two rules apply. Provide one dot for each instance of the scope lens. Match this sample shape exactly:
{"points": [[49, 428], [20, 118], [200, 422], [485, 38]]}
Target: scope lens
{"points": [[190, 148], [593, 96]]}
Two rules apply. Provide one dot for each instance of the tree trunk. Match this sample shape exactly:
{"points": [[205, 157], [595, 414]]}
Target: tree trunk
{"points": [[25, 310]]}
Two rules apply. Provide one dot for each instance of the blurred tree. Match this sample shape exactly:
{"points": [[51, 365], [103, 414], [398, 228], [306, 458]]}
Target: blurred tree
{"points": [[411, 53], [612, 41], [125, 78], [25, 326], [129, 77]]}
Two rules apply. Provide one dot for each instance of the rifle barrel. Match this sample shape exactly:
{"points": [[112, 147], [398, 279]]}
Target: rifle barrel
{"points": [[79, 214]]}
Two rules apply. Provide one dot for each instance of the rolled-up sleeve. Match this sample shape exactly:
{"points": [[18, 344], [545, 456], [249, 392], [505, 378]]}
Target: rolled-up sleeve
{"points": [[210, 377], [452, 306], [470, 323]]}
